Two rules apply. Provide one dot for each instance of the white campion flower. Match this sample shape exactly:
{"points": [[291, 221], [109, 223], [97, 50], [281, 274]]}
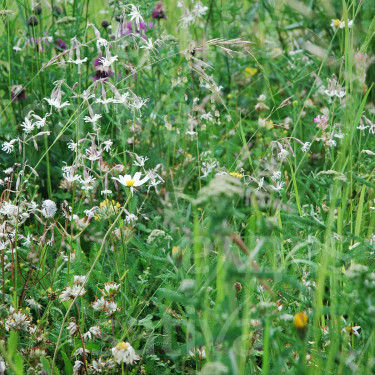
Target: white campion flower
{"points": [[8, 147], [148, 45], [54, 102], [135, 15], [132, 182], [107, 145], [108, 61], [140, 161], [27, 125], [279, 186], [93, 120], [123, 352], [48, 208]]}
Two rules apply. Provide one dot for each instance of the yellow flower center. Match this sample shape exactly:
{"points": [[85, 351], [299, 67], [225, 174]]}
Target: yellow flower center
{"points": [[300, 320], [251, 71], [122, 345], [236, 174], [336, 22], [130, 183]]}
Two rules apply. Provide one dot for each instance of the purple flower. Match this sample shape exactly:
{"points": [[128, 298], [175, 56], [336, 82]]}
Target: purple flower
{"points": [[60, 44], [131, 28], [17, 93], [100, 71], [158, 13]]}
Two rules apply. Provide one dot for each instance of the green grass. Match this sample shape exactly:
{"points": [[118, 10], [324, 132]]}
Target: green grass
{"points": [[247, 226]]}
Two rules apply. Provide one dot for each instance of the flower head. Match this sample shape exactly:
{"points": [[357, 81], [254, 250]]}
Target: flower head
{"points": [[123, 352], [132, 182]]}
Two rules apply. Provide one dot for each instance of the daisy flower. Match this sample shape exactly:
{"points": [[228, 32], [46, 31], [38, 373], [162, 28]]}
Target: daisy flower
{"points": [[132, 182]]}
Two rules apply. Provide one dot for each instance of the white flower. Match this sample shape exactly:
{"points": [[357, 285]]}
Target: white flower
{"points": [[140, 161], [207, 116], [56, 103], [111, 307], [108, 61], [93, 332], [8, 146], [107, 191], [368, 152], [149, 46], [128, 181], [331, 143], [32, 303], [72, 292], [17, 321], [72, 328], [279, 186], [135, 15], [123, 352], [99, 304], [92, 153], [110, 288], [79, 351], [79, 279], [260, 184], [306, 146], [198, 352], [77, 367], [276, 176], [282, 154], [107, 145], [72, 145], [93, 119], [8, 209], [78, 61], [27, 125], [49, 208], [131, 218]]}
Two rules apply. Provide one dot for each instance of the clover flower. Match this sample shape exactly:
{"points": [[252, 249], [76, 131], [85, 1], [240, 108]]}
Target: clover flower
{"points": [[123, 352]]}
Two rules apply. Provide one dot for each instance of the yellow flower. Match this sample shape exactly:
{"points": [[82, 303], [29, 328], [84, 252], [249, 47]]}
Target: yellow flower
{"points": [[236, 174], [300, 320], [122, 345], [336, 22], [251, 71]]}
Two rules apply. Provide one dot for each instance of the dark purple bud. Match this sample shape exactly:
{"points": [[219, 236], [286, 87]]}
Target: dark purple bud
{"points": [[105, 24], [32, 21], [158, 12], [57, 10], [37, 10]]}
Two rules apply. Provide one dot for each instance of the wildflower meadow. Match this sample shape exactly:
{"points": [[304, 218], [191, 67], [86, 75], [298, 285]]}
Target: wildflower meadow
{"points": [[187, 187]]}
